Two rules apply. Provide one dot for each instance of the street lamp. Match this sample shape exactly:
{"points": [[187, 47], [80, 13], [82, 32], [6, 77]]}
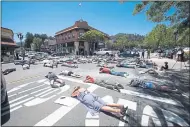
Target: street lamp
{"points": [[20, 36]]}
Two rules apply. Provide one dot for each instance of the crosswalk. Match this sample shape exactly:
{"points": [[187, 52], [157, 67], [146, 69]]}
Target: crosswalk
{"points": [[37, 93]]}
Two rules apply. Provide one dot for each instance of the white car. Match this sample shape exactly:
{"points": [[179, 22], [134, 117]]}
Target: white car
{"points": [[186, 50], [46, 61], [105, 52]]}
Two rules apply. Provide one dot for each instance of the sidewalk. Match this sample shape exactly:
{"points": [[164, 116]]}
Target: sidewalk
{"points": [[171, 62]]}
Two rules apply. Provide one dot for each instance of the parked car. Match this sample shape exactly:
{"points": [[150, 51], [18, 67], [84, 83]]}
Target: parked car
{"points": [[129, 54], [187, 50], [5, 107], [105, 52]]}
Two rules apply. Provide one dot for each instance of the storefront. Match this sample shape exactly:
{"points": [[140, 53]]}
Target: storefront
{"points": [[8, 45]]}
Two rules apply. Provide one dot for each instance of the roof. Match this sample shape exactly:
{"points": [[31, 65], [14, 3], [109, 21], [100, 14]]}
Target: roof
{"points": [[8, 43], [9, 40], [79, 24], [6, 29]]}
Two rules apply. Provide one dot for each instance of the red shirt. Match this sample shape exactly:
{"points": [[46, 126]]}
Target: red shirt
{"points": [[105, 70], [89, 80]]}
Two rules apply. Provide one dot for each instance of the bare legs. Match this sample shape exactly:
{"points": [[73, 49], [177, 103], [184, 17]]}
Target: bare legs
{"points": [[110, 108], [115, 105]]}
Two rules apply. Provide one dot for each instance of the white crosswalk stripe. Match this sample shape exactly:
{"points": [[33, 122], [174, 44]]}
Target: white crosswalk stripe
{"points": [[27, 96]]}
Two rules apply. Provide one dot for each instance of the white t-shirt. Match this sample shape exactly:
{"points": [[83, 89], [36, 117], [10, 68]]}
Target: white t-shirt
{"points": [[25, 66], [65, 72]]}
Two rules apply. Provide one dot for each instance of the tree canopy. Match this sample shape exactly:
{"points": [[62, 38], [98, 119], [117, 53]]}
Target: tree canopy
{"points": [[93, 36], [122, 40], [37, 42], [30, 38], [159, 11]]}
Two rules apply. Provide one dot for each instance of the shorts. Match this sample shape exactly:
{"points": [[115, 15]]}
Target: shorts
{"points": [[54, 78], [94, 102]]}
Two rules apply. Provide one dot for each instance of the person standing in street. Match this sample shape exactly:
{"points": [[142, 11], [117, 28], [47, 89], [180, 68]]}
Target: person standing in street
{"points": [[142, 56], [148, 54]]}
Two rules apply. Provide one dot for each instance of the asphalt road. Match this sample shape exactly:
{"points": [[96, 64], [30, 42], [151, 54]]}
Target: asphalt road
{"points": [[32, 100]]}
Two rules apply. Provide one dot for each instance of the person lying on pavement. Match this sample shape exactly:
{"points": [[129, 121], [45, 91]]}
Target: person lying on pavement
{"points": [[104, 70], [70, 73], [7, 71], [69, 65], [95, 104], [103, 83], [53, 78], [152, 85], [26, 66], [105, 65], [112, 72], [156, 70], [126, 65]]}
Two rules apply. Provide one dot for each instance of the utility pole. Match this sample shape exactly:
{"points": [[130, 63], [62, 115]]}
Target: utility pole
{"points": [[20, 36]]}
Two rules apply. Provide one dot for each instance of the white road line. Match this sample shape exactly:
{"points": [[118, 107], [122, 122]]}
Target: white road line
{"points": [[15, 104], [165, 100], [43, 92], [94, 120], [18, 98], [147, 113], [131, 105], [49, 92], [40, 90], [63, 89], [42, 80], [12, 95], [19, 87], [59, 113], [31, 89], [37, 101], [11, 110]]}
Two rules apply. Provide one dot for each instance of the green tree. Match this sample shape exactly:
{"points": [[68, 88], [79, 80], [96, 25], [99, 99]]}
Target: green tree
{"points": [[109, 44], [179, 19], [28, 40], [43, 37], [93, 37], [37, 42], [157, 37], [158, 11]]}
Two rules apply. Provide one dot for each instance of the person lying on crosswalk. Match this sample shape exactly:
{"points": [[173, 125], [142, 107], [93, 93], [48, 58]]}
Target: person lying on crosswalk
{"points": [[95, 104], [152, 85], [102, 83], [70, 73], [53, 78]]}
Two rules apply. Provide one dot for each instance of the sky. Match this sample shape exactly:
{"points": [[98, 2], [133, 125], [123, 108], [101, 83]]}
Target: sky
{"points": [[51, 17]]}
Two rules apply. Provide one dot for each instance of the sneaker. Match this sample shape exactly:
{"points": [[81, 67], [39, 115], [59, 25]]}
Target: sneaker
{"points": [[116, 88], [123, 110]]}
